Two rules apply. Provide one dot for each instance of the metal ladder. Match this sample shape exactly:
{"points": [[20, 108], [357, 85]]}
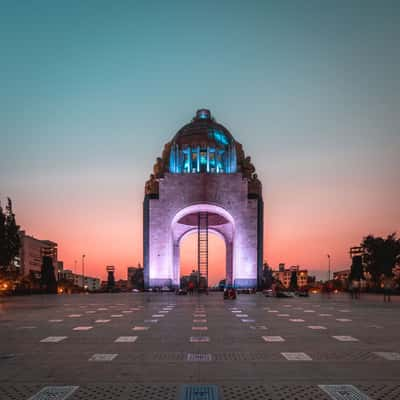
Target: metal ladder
{"points": [[202, 248]]}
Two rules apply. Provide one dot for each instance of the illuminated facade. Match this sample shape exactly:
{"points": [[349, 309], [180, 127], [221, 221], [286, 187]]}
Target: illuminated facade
{"points": [[203, 183]]}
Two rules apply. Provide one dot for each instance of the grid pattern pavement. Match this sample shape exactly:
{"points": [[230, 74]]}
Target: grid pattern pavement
{"points": [[147, 343]]}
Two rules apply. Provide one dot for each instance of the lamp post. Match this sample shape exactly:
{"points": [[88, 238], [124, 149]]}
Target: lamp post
{"points": [[329, 267], [83, 270]]}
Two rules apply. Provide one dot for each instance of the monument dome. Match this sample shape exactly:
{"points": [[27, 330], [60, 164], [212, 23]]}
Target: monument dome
{"points": [[201, 146]]}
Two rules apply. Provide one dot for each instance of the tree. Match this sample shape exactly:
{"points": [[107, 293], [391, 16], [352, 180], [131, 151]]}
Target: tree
{"points": [[48, 279], [293, 281], [10, 241], [381, 255]]}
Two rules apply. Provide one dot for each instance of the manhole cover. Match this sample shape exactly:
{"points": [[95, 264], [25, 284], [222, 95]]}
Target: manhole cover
{"points": [[199, 357], [343, 392], [199, 392], [54, 393], [297, 356], [392, 356]]}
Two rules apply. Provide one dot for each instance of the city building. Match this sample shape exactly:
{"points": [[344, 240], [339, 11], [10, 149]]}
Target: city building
{"points": [[203, 183], [342, 275], [31, 253], [89, 283], [284, 275], [135, 277]]}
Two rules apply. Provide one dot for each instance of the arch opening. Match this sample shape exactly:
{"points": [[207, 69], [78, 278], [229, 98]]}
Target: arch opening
{"points": [[217, 265]]}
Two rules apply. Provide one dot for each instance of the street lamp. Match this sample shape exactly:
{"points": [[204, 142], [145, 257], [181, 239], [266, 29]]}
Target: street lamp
{"points": [[329, 267], [83, 270]]}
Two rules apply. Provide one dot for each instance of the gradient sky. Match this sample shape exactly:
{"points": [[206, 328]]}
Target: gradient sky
{"points": [[90, 91]]}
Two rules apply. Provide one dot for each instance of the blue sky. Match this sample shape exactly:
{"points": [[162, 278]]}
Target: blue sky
{"points": [[91, 91]]}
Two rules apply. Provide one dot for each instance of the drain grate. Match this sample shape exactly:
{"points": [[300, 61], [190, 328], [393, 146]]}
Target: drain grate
{"points": [[344, 392], [54, 393], [199, 357], [199, 392]]}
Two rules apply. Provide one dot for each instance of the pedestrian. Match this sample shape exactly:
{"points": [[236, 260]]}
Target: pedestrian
{"points": [[387, 285]]}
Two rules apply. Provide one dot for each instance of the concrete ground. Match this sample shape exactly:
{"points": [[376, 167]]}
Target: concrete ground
{"points": [[161, 346]]}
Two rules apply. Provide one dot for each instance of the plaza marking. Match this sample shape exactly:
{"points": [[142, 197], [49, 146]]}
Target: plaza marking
{"points": [[343, 319], [391, 356], [261, 327], [296, 320], [344, 310], [127, 312], [27, 327], [236, 311], [53, 339], [54, 393], [102, 309], [325, 315], [116, 315], [271, 339], [151, 321], [297, 356], [83, 328], [140, 328], [199, 321], [158, 316], [199, 315], [56, 320], [345, 338], [126, 339], [282, 315], [199, 328], [162, 312], [102, 321], [90, 312], [375, 326], [287, 305], [308, 311], [241, 315], [316, 327], [102, 357], [199, 392], [343, 392], [248, 320], [199, 357], [273, 311], [199, 339], [75, 315]]}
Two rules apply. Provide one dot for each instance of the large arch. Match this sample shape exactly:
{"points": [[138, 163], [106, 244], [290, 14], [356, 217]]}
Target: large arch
{"points": [[181, 227]]}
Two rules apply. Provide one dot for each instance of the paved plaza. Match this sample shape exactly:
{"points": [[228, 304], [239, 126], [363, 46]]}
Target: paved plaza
{"points": [[163, 346]]}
